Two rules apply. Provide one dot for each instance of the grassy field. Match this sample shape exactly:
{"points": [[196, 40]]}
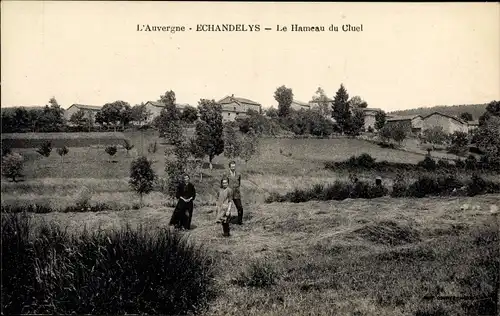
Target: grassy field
{"points": [[384, 256], [355, 257]]}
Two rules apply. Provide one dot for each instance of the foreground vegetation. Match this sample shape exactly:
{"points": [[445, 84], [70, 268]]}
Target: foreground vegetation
{"points": [[47, 270], [385, 256]]}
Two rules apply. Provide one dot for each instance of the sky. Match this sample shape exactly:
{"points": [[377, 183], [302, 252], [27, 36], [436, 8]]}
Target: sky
{"points": [[408, 55]]}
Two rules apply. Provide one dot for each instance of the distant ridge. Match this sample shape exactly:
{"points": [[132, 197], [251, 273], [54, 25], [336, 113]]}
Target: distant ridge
{"points": [[476, 110]]}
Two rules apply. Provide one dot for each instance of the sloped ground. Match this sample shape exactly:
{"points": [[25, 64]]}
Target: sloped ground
{"points": [[354, 257]]}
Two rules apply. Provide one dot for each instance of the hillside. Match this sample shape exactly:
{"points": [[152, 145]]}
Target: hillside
{"points": [[454, 110]]}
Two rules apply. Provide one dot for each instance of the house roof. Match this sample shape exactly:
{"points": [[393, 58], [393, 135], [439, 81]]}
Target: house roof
{"points": [[445, 115], [161, 105], [402, 118], [473, 122], [238, 100], [300, 103], [86, 107], [371, 110]]}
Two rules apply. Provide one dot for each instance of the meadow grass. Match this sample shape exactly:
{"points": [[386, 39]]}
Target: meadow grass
{"points": [[382, 256]]}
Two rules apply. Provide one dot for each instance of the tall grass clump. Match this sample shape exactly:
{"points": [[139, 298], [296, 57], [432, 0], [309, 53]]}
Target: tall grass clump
{"points": [[128, 271], [259, 274]]}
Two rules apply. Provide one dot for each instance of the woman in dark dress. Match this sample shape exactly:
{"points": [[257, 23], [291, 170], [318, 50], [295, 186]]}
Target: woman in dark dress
{"points": [[183, 212]]}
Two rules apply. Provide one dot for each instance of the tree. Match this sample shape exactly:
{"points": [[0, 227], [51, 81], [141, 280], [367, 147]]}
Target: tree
{"points": [[111, 150], [459, 143], [492, 109], [142, 176], [198, 155], [52, 117], [322, 101], [249, 145], [209, 129], [340, 107], [79, 118], [140, 114], [380, 119], [189, 114], [12, 166], [21, 119], [271, 112], [232, 143], [62, 151], [398, 133], [168, 98], [435, 135], [109, 114], [45, 149], [169, 122], [127, 145], [356, 123], [284, 97], [466, 116], [357, 103], [488, 141], [385, 134]]}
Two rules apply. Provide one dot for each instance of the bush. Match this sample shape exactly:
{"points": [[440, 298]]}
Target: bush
{"points": [[111, 150], [121, 272], [478, 185], [142, 176], [12, 166], [471, 162], [428, 163], [459, 143], [45, 149]]}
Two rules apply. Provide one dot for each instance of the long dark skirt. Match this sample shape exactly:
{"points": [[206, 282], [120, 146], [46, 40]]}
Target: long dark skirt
{"points": [[182, 214]]}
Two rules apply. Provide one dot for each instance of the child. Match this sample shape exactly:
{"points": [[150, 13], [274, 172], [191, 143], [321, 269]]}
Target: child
{"points": [[224, 204]]}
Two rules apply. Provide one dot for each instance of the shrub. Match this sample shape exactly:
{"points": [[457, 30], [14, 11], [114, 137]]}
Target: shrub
{"points": [[428, 163], [399, 186], [479, 185], [435, 135], [120, 272], [459, 143], [152, 148], [111, 150], [142, 176], [6, 149], [471, 162], [12, 166], [45, 149], [259, 274], [127, 145]]}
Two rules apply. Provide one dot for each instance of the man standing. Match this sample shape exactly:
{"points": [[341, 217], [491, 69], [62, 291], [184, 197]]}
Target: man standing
{"points": [[234, 184]]}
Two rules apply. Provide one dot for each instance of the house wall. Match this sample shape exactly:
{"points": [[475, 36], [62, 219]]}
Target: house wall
{"points": [[155, 111], [70, 111], [405, 123], [89, 114], [369, 121], [449, 125]]}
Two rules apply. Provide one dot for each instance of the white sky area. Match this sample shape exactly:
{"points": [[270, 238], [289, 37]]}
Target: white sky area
{"points": [[408, 55]]}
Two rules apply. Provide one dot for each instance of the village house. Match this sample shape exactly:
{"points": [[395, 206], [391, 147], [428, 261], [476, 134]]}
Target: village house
{"points": [[316, 103], [472, 125], [412, 124], [450, 124], [298, 105], [155, 107], [90, 111], [370, 114], [234, 107]]}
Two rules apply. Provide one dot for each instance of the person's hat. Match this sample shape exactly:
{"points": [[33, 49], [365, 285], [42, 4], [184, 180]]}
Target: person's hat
{"points": [[379, 178]]}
